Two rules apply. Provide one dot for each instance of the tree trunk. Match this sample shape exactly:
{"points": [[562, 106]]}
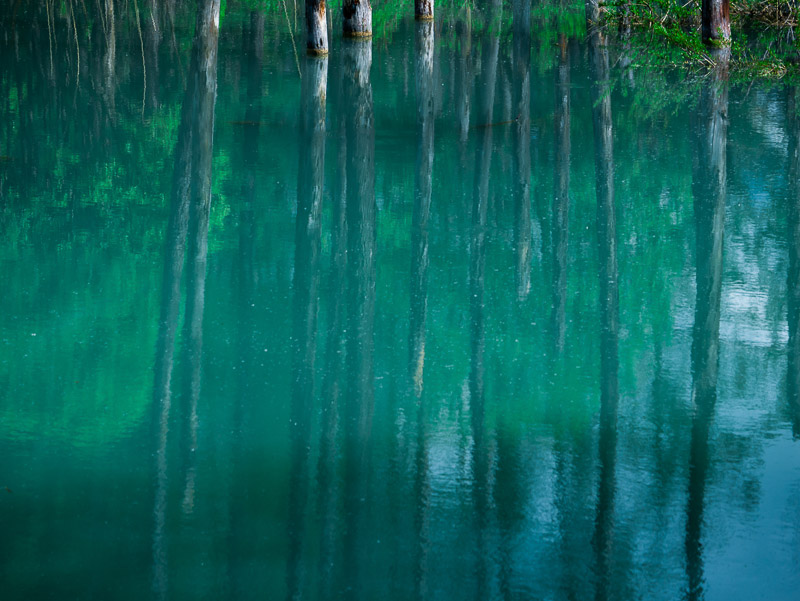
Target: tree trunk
{"points": [[357, 18], [316, 27], [423, 10], [716, 21]]}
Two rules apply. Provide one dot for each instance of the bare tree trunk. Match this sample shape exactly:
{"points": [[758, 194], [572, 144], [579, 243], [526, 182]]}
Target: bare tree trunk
{"points": [[316, 27], [423, 10], [357, 21], [716, 21]]}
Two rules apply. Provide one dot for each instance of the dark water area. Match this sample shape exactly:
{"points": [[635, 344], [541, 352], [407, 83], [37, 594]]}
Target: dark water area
{"points": [[470, 310]]}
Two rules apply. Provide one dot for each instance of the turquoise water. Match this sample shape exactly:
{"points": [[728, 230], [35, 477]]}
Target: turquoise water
{"points": [[464, 312]]}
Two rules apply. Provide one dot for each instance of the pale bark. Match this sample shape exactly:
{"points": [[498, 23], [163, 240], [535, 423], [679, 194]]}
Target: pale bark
{"points": [[316, 27], [357, 18]]}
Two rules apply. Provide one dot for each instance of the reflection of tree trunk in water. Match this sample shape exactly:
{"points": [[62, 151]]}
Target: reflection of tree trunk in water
{"points": [[253, 50], [609, 303], [463, 88], [361, 243], [560, 233], [708, 188], [306, 300], [152, 44], [424, 63], [328, 503], [463, 78], [793, 278], [190, 198], [199, 212], [508, 490], [110, 59], [477, 268], [422, 203], [522, 145]]}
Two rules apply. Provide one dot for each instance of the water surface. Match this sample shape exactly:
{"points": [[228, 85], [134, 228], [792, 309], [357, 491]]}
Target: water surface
{"points": [[464, 312]]}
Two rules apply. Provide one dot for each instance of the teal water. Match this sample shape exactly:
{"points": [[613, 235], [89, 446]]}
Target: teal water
{"points": [[465, 312]]}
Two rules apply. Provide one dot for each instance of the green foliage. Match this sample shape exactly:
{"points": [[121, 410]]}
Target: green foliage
{"points": [[666, 34]]}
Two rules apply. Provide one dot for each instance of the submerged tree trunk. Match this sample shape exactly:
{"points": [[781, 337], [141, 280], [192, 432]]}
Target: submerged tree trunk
{"points": [[609, 303], [316, 27], [357, 18], [709, 179], [716, 21]]}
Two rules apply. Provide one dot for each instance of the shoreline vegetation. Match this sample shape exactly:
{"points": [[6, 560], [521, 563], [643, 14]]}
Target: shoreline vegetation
{"points": [[654, 33], [667, 33]]}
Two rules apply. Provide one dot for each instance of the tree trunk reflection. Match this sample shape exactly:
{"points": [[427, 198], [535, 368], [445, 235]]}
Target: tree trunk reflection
{"points": [[709, 178], [560, 227], [477, 269], [609, 302], [423, 184], [188, 225], [522, 145], [361, 215], [793, 276], [305, 304]]}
